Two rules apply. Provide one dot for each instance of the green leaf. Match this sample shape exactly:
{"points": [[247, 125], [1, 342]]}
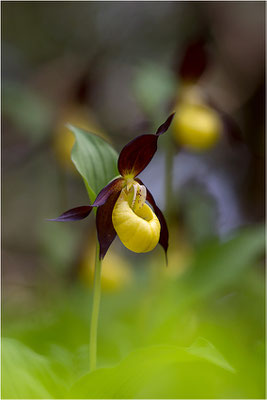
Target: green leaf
{"points": [[130, 377], [206, 350], [94, 159], [26, 374]]}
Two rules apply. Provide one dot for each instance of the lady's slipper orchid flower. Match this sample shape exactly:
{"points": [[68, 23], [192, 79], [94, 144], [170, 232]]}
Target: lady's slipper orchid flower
{"points": [[121, 203]]}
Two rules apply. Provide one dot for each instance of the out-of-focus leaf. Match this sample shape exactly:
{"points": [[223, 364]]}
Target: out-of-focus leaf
{"points": [[26, 374], [95, 160], [206, 350], [130, 376], [219, 264]]}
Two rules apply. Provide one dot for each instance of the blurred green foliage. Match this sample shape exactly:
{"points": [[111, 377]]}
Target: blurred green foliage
{"points": [[131, 378], [197, 336]]}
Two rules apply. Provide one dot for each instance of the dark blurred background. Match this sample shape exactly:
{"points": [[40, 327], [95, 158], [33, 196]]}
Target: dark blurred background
{"points": [[111, 67]]}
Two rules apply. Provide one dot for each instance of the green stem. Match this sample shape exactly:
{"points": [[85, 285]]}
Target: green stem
{"points": [[95, 310]]}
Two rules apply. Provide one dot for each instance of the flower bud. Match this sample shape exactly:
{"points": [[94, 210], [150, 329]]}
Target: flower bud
{"points": [[134, 221], [196, 126]]}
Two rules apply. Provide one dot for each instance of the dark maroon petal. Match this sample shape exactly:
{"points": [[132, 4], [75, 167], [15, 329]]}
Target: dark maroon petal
{"points": [[195, 60], [114, 186], [137, 154], [105, 230], [75, 214], [165, 126], [164, 233], [78, 213]]}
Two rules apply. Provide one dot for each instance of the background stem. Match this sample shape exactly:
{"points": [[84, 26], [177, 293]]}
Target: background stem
{"points": [[95, 310]]}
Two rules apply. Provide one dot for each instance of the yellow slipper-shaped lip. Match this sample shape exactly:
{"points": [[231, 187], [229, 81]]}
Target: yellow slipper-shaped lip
{"points": [[138, 230]]}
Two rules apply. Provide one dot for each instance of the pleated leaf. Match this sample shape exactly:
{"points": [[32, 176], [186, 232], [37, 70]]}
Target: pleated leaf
{"points": [[94, 159]]}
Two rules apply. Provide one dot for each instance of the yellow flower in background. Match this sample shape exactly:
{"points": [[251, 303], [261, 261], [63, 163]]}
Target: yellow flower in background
{"points": [[63, 138], [116, 273], [196, 126]]}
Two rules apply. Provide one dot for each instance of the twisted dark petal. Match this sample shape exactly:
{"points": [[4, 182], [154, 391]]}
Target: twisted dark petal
{"points": [[164, 233], [165, 126], [105, 230], [78, 213], [75, 214], [114, 186], [137, 154]]}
